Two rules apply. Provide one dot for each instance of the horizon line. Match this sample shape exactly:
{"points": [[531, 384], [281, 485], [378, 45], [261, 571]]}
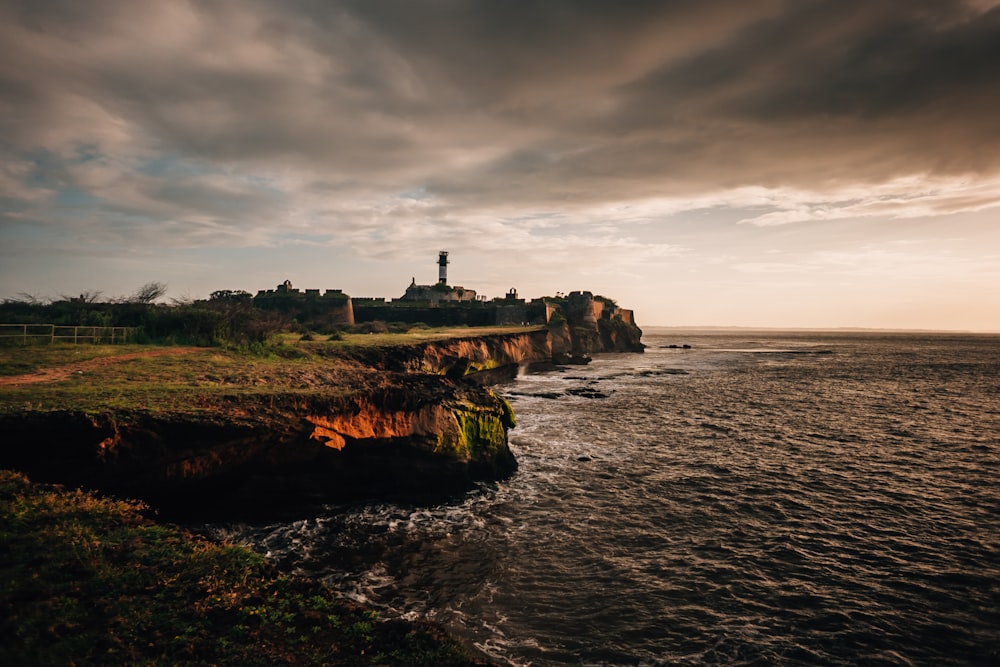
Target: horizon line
{"points": [[831, 329]]}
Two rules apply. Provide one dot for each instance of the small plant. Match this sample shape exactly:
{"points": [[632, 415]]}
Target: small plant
{"points": [[557, 319]]}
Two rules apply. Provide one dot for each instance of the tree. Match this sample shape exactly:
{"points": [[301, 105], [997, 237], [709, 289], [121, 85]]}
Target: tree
{"points": [[229, 295], [87, 296], [28, 298], [148, 293]]}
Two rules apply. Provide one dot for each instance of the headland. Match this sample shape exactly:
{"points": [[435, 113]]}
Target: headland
{"points": [[273, 406], [306, 418]]}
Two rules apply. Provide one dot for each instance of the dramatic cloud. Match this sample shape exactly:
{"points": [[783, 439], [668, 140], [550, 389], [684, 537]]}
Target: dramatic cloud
{"points": [[391, 126]]}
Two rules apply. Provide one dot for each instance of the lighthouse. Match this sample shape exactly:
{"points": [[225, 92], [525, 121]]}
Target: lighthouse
{"points": [[443, 268]]}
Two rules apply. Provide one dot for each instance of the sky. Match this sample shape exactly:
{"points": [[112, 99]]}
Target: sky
{"points": [[799, 163]]}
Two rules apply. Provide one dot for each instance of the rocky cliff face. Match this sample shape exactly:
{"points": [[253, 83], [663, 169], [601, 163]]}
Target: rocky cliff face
{"points": [[586, 325], [494, 358], [415, 436], [483, 359]]}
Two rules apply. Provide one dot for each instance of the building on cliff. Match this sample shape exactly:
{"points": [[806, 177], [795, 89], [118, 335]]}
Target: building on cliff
{"points": [[590, 323], [331, 306], [589, 309], [441, 291]]}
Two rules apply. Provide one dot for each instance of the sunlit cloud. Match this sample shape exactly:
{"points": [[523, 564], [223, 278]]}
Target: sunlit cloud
{"points": [[909, 197]]}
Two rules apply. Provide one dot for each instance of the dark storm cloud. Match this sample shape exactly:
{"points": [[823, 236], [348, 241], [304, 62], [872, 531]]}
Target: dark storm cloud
{"points": [[821, 74], [644, 98], [488, 105]]}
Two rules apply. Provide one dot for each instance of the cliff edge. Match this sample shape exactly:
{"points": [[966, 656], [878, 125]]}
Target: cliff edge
{"points": [[203, 433], [260, 455]]}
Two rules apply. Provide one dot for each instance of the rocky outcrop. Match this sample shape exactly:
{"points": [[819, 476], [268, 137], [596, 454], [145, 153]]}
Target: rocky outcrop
{"points": [[482, 359], [415, 437], [495, 358], [584, 324]]}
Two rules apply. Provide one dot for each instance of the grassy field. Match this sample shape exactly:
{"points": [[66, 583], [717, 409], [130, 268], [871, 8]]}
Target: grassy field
{"points": [[411, 337], [21, 359], [86, 580], [191, 379], [186, 381]]}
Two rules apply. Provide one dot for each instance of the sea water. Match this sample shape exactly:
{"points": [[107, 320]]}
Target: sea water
{"points": [[759, 498]]}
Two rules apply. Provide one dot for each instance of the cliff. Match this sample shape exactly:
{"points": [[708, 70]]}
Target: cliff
{"points": [[413, 436], [483, 359], [573, 334], [259, 438], [583, 324]]}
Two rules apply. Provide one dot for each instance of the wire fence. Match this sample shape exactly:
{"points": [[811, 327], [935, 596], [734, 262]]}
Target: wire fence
{"points": [[57, 333]]}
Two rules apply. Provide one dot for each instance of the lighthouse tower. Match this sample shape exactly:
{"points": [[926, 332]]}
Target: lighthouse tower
{"points": [[443, 268]]}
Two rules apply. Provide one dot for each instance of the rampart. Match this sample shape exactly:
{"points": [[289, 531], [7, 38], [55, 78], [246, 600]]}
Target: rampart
{"points": [[580, 322]]}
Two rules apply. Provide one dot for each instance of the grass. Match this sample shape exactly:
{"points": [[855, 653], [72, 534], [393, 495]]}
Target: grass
{"points": [[88, 580], [411, 337], [21, 359], [196, 380], [181, 383]]}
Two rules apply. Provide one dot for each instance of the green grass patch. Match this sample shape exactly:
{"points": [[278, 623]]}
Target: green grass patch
{"points": [[19, 360], [414, 336], [195, 380], [186, 382], [88, 580]]}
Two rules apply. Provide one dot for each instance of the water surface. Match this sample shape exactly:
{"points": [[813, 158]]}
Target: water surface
{"points": [[760, 498]]}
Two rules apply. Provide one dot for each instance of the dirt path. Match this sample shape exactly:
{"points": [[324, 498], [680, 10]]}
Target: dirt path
{"points": [[63, 372]]}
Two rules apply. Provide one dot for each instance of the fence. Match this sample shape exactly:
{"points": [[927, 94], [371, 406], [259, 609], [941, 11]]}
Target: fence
{"points": [[53, 333]]}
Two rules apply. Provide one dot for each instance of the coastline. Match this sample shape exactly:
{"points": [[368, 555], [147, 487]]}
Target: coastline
{"points": [[196, 433], [213, 433], [204, 433]]}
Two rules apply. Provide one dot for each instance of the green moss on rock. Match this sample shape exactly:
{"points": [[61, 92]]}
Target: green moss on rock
{"points": [[509, 419], [481, 431]]}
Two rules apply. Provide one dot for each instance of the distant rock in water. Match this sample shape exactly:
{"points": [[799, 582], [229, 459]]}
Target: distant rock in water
{"points": [[564, 359], [586, 392]]}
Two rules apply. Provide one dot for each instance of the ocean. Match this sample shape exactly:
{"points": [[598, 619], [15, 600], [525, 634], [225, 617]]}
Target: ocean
{"points": [[759, 498]]}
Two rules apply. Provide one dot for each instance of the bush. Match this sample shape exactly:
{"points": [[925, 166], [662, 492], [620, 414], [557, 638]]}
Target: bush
{"points": [[398, 327], [370, 327], [557, 319]]}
